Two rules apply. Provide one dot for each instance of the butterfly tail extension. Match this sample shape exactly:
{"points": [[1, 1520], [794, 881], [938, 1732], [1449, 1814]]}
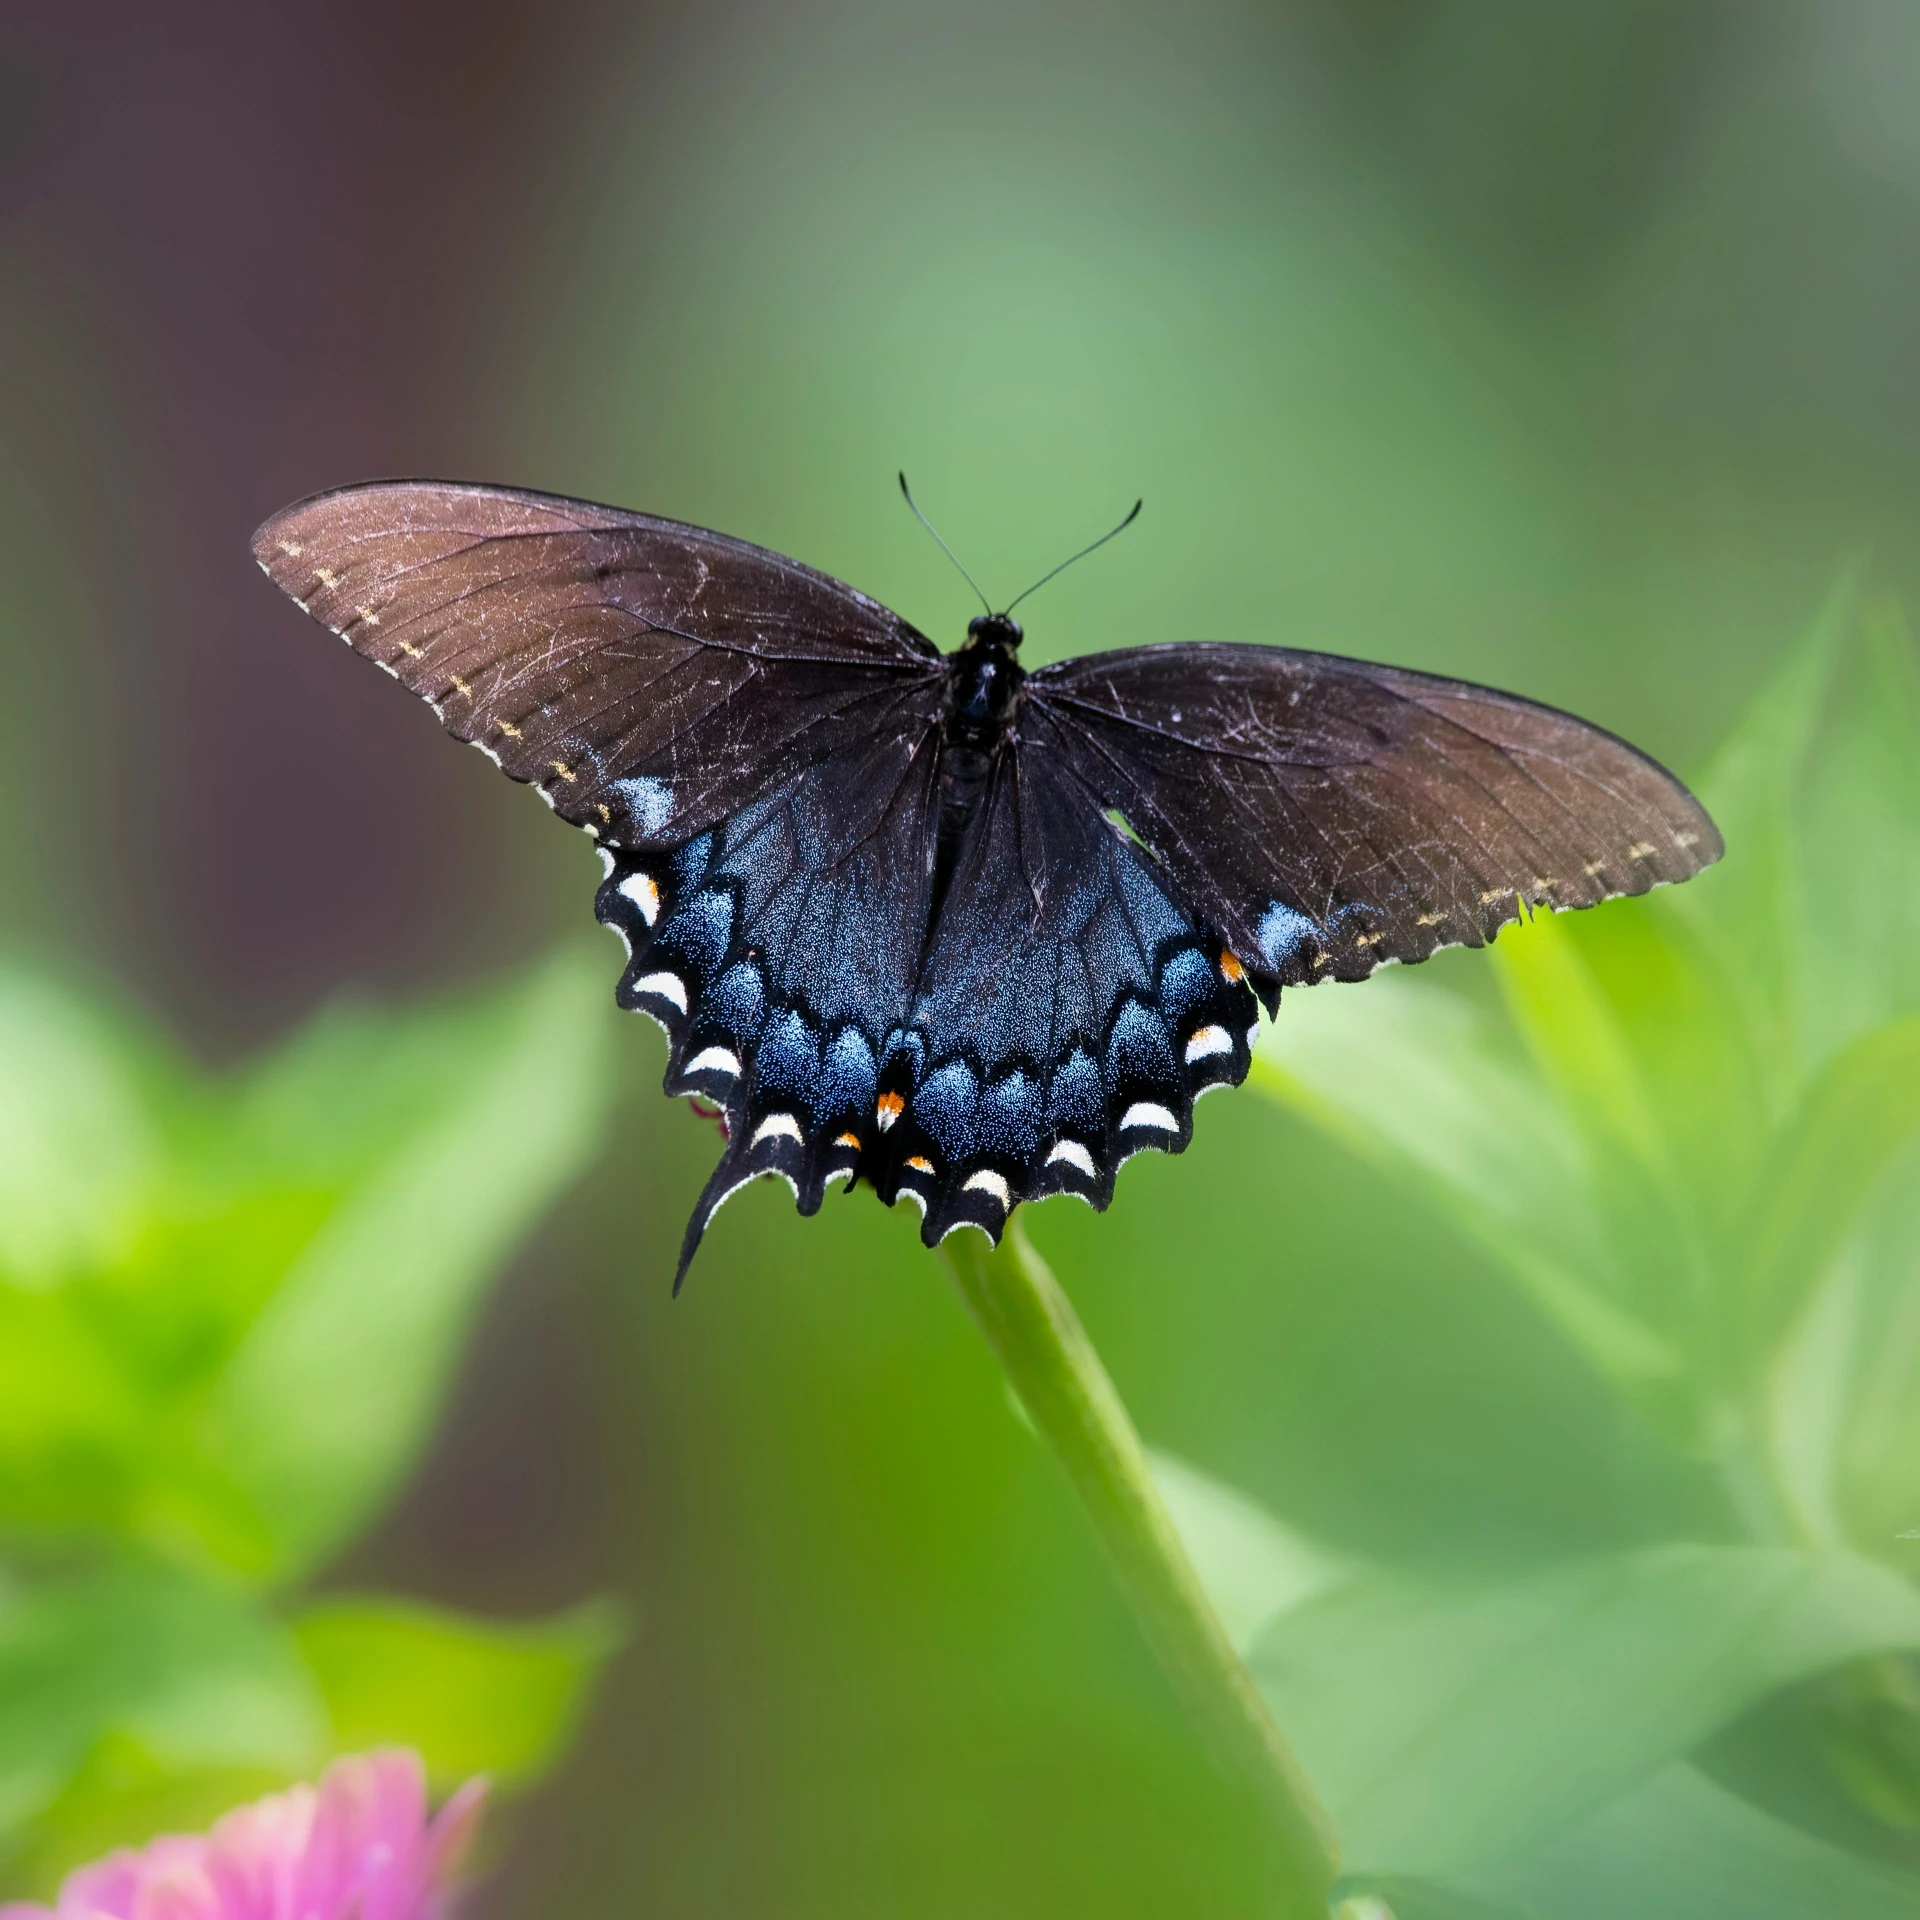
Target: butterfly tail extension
{"points": [[726, 1180]]}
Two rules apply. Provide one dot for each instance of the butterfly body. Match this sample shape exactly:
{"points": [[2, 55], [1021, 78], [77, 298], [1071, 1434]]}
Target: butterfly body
{"points": [[983, 688], [971, 934]]}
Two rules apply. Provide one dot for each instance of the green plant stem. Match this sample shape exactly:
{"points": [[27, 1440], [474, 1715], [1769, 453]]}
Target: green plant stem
{"points": [[1032, 1327]]}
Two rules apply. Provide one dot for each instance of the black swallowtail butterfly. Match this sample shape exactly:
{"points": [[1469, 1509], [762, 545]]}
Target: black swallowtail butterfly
{"points": [[973, 934]]}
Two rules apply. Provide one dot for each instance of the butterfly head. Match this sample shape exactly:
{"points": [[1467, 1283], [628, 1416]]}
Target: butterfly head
{"points": [[1000, 630]]}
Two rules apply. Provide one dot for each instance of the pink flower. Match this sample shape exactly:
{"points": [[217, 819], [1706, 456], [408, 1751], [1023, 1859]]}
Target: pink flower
{"points": [[357, 1847]]}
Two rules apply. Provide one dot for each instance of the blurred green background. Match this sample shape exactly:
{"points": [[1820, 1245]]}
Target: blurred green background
{"points": [[1568, 346]]}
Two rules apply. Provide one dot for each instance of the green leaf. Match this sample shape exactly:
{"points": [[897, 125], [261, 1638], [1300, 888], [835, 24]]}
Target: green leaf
{"points": [[1252, 1566], [1573, 1034], [1395, 1897], [1806, 1406], [1415, 1082], [78, 1148], [190, 1673], [1447, 1724], [71, 1424], [1861, 1109], [1577, 1039], [1750, 906], [335, 1387], [1868, 1446], [1676, 1017], [1859, 817], [1681, 1848], [473, 1696]]}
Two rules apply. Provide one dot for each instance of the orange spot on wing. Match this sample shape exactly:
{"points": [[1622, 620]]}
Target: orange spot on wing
{"points": [[848, 1140], [1230, 966], [919, 1164]]}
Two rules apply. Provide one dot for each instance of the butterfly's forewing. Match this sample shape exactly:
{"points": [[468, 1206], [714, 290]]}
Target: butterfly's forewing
{"points": [[1068, 1012], [649, 678], [1325, 815]]}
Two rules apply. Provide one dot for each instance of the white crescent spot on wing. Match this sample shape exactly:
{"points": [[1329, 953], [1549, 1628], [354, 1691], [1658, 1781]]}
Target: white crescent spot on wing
{"points": [[664, 986], [1075, 1155]]}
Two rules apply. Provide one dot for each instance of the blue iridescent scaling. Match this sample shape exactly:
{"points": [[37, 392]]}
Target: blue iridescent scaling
{"points": [[1019, 1053]]}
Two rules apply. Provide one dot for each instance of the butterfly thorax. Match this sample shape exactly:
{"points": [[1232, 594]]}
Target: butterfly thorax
{"points": [[985, 677]]}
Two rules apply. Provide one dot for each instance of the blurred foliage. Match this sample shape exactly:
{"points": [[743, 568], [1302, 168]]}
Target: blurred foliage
{"points": [[229, 1310], [1561, 347], [474, 1696], [1674, 1135]]}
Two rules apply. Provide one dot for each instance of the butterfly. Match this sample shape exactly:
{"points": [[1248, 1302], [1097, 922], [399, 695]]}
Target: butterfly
{"points": [[970, 933]]}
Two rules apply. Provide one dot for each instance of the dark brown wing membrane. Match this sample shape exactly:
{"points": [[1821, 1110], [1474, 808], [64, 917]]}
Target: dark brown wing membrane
{"points": [[649, 678], [1325, 815]]}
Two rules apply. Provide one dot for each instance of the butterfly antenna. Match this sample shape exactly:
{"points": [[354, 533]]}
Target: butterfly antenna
{"points": [[1132, 516], [907, 494]]}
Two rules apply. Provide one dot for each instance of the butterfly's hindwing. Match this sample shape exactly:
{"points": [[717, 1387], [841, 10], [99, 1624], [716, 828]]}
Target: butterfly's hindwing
{"points": [[777, 952], [1066, 1017], [1068, 1014]]}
